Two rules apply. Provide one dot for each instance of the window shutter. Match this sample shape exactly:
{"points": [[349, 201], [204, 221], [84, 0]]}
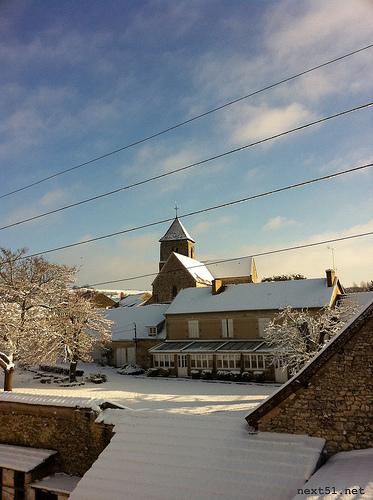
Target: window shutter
{"points": [[230, 327], [224, 328], [193, 328]]}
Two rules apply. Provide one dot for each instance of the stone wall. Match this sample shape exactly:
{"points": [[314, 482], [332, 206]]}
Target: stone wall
{"points": [[337, 403], [70, 431], [173, 274]]}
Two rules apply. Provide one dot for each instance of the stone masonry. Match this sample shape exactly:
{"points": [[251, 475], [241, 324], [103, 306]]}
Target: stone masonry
{"points": [[336, 401], [72, 432]]}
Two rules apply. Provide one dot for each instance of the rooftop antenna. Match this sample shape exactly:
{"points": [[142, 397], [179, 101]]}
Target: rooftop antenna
{"points": [[176, 208], [332, 250]]}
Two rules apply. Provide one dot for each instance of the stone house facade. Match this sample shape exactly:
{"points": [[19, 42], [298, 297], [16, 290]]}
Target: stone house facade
{"points": [[221, 328], [332, 396]]}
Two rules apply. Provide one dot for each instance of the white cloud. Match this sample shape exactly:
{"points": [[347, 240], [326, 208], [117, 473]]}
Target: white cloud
{"points": [[255, 123], [293, 27], [278, 222], [353, 258]]}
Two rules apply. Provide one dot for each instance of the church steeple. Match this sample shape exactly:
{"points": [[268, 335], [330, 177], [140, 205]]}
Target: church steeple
{"points": [[177, 239]]}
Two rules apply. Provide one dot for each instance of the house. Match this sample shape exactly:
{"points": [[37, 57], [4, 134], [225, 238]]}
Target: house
{"points": [[220, 328], [332, 396], [134, 331]]}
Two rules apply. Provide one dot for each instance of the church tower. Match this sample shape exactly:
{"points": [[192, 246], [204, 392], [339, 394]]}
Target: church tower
{"points": [[176, 240]]}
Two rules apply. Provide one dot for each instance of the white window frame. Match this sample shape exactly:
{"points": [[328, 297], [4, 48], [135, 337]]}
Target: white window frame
{"points": [[262, 323], [228, 361], [227, 328], [255, 362], [193, 329], [163, 360], [201, 361], [152, 331]]}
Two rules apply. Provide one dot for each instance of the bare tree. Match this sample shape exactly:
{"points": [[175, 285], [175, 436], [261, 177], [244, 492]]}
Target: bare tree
{"points": [[297, 335]]}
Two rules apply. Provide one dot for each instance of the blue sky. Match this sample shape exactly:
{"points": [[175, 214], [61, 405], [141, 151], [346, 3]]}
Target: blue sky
{"points": [[80, 78]]}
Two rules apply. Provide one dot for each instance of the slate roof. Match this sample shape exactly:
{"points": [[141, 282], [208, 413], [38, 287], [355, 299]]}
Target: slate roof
{"points": [[198, 270], [347, 470], [124, 319], [232, 269], [158, 456], [299, 294], [22, 458], [177, 232]]}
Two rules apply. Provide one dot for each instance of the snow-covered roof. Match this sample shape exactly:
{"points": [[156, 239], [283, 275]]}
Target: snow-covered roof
{"points": [[198, 270], [232, 269], [57, 483], [160, 456], [344, 471], [176, 232], [31, 399], [308, 293], [21, 458], [125, 318], [134, 300]]}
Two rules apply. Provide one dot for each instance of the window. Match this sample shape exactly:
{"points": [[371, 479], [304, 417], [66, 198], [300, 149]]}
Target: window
{"points": [[174, 291], [227, 328], [228, 361], [152, 331], [255, 362], [201, 361], [193, 328], [262, 324], [163, 360]]}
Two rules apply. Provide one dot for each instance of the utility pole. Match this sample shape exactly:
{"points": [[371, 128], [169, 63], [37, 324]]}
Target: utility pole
{"points": [[135, 330]]}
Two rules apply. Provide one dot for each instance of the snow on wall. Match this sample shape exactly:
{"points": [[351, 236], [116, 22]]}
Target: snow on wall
{"points": [[70, 402], [346, 470], [21, 458], [162, 456], [298, 294]]}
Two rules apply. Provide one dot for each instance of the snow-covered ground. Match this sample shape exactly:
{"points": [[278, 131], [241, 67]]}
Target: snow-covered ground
{"points": [[140, 392]]}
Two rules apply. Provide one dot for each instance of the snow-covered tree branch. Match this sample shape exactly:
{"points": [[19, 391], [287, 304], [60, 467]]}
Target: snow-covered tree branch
{"points": [[297, 335]]}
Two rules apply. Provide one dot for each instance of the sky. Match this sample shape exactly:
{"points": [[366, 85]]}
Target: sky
{"points": [[81, 78]]}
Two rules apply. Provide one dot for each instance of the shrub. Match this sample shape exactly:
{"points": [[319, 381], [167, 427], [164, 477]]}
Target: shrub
{"points": [[259, 377], [206, 375], [152, 372], [163, 372], [195, 374]]}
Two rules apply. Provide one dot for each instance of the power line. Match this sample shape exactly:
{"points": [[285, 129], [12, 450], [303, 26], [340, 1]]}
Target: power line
{"points": [[185, 122], [196, 212], [189, 166], [270, 252]]}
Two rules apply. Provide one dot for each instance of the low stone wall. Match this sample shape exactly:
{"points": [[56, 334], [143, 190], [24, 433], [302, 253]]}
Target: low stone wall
{"points": [[72, 432], [337, 403]]}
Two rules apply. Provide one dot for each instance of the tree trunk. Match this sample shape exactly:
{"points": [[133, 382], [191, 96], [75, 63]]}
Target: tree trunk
{"points": [[72, 371], [8, 379]]}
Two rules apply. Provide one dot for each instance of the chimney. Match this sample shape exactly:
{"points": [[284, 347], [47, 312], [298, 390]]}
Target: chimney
{"points": [[217, 286], [330, 277]]}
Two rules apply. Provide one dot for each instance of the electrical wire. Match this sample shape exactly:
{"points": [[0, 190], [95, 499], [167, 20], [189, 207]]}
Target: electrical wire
{"points": [[196, 212], [261, 254], [186, 167], [185, 122]]}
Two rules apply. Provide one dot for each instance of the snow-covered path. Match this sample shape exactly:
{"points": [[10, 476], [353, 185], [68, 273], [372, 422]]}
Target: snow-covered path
{"points": [[172, 395]]}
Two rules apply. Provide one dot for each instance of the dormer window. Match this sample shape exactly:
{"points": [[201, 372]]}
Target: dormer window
{"points": [[152, 331]]}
